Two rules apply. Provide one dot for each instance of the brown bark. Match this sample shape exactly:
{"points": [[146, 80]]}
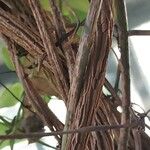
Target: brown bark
{"points": [[86, 88]]}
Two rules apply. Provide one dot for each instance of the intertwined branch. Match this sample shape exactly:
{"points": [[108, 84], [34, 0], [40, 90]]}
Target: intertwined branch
{"points": [[74, 70]]}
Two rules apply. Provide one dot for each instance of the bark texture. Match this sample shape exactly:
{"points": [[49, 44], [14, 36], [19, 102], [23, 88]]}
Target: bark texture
{"points": [[73, 68]]}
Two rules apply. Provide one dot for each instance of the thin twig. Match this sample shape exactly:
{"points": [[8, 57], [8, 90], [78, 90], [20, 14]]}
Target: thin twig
{"points": [[5, 72], [147, 126], [57, 18], [148, 111], [47, 145], [132, 105], [16, 98], [101, 128], [121, 20], [112, 91], [139, 33]]}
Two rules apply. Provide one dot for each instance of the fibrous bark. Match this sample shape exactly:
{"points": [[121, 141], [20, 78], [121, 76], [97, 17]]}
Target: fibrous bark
{"points": [[74, 70], [90, 66]]}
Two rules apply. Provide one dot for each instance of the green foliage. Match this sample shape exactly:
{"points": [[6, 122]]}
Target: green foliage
{"points": [[46, 98], [7, 99], [4, 143], [45, 4], [70, 8], [6, 58], [3, 129], [82, 6], [7, 128], [10, 126], [79, 7], [11, 143]]}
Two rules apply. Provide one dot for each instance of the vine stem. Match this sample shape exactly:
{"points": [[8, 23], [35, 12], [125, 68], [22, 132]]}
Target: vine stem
{"points": [[121, 20], [54, 133]]}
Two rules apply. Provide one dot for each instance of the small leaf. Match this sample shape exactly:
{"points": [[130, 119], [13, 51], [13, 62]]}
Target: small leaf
{"points": [[6, 58], [7, 99]]}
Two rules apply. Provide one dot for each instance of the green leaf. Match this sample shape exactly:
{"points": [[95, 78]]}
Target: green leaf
{"points": [[4, 144], [2, 44], [6, 129], [6, 58], [79, 7], [45, 4], [7, 99], [5, 121], [46, 98], [3, 129], [11, 143]]}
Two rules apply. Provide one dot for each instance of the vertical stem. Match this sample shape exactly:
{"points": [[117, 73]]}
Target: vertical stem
{"points": [[121, 20], [80, 67]]}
